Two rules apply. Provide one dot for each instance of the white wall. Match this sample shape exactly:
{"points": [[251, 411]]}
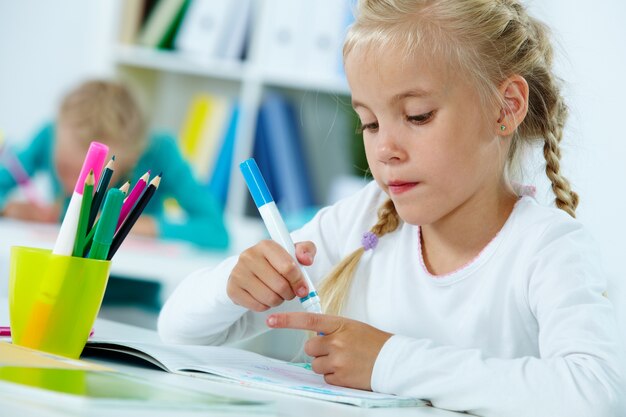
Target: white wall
{"points": [[592, 62], [48, 46]]}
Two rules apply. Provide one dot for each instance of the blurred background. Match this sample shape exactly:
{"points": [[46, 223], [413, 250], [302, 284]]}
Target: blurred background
{"points": [[267, 75]]}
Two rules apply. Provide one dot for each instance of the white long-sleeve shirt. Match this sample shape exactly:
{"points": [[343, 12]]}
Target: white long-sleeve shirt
{"points": [[521, 330]]}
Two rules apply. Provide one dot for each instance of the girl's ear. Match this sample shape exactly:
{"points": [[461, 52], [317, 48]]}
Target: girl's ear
{"points": [[514, 95]]}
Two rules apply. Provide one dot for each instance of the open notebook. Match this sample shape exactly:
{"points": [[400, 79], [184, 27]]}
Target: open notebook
{"points": [[30, 378], [250, 369]]}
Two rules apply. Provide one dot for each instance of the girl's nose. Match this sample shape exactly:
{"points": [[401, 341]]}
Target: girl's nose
{"points": [[388, 148]]}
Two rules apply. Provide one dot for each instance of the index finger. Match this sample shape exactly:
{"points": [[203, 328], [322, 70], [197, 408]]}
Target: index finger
{"points": [[320, 323]]}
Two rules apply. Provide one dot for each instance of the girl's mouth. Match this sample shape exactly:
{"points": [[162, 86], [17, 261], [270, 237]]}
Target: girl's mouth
{"points": [[397, 187]]}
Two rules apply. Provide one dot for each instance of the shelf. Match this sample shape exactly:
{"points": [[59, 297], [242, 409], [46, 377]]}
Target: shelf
{"points": [[331, 85], [171, 61]]}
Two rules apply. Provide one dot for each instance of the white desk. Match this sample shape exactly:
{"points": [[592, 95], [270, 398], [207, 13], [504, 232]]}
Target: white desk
{"points": [[284, 404], [165, 262]]}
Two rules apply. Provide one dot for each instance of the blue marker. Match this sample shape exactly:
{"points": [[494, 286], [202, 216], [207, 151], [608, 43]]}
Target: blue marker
{"points": [[276, 226]]}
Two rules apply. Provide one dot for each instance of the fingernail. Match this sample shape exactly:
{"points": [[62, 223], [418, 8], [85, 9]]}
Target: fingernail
{"points": [[302, 291], [271, 321]]}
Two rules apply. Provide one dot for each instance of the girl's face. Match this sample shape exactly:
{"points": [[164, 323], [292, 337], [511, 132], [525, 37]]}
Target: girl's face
{"points": [[426, 137]]}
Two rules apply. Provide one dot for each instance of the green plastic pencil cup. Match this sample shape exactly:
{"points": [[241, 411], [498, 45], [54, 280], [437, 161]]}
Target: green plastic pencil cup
{"points": [[54, 299]]}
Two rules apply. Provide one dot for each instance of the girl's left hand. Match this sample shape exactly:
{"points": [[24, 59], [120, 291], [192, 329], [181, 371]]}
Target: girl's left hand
{"points": [[145, 226], [346, 352]]}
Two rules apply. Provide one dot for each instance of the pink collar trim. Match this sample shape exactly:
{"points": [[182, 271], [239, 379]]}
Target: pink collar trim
{"points": [[456, 271], [484, 252]]}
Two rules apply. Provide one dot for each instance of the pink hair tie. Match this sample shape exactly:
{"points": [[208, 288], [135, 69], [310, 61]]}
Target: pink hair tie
{"points": [[369, 240]]}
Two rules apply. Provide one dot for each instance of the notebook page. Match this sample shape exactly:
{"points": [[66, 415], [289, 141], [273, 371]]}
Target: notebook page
{"points": [[252, 369]]}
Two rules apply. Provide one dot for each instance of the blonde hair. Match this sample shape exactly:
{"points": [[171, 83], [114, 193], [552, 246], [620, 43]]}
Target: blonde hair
{"points": [[488, 41], [106, 111]]}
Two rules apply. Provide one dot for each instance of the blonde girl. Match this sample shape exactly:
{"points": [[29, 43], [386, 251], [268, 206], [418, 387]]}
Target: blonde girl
{"points": [[443, 280]]}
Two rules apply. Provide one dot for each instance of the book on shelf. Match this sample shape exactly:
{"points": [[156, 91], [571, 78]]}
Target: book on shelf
{"points": [[325, 28], [134, 14], [213, 29], [159, 30], [246, 368], [284, 160], [34, 378], [202, 131], [302, 36], [235, 40], [260, 151], [280, 35], [131, 20], [191, 129], [220, 178]]}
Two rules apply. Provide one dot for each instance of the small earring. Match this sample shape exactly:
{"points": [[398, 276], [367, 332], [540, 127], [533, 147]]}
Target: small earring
{"points": [[502, 128]]}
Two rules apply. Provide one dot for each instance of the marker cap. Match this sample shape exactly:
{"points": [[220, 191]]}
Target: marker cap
{"points": [[94, 160], [108, 218], [256, 184]]}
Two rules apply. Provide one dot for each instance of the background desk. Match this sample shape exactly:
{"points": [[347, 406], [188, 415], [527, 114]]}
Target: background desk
{"points": [[285, 405], [165, 262]]}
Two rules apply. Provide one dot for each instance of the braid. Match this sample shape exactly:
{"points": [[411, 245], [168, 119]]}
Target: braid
{"points": [[335, 286], [388, 219], [547, 111], [566, 199]]}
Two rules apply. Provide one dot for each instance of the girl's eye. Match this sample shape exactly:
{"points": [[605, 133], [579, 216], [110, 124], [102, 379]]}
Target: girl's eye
{"points": [[371, 127], [421, 118]]}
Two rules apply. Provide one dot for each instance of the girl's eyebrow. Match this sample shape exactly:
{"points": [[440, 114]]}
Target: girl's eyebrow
{"points": [[413, 93]]}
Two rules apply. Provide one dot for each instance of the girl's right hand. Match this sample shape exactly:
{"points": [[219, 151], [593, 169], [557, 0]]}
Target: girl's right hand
{"points": [[266, 275], [29, 212]]}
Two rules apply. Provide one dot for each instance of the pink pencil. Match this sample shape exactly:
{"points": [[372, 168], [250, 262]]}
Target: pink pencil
{"points": [[18, 172], [132, 198], [5, 331]]}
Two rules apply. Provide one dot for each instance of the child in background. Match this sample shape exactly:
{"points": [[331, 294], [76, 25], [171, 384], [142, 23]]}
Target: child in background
{"points": [[440, 280], [107, 112]]}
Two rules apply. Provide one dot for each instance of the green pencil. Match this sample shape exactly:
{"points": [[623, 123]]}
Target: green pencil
{"points": [[101, 190], [106, 224], [85, 207]]}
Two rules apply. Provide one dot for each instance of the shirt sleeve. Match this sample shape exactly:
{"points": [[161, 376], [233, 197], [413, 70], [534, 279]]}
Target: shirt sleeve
{"points": [[580, 371], [204, 222], [199, 311]]}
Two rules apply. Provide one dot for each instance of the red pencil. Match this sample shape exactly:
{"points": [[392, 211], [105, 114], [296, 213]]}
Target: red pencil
{"points": [[5, 331], [132, 198]]}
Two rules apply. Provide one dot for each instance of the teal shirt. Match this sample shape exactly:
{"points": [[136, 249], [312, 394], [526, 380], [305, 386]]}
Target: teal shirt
{"points": [[203, 225]]}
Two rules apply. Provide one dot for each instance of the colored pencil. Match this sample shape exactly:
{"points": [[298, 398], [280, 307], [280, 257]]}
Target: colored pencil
{"points": [[85, 207], [132, 198], [101, 190], [124, 188], [5, 331], [19, 174], [134, 215], [106, 225]]}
